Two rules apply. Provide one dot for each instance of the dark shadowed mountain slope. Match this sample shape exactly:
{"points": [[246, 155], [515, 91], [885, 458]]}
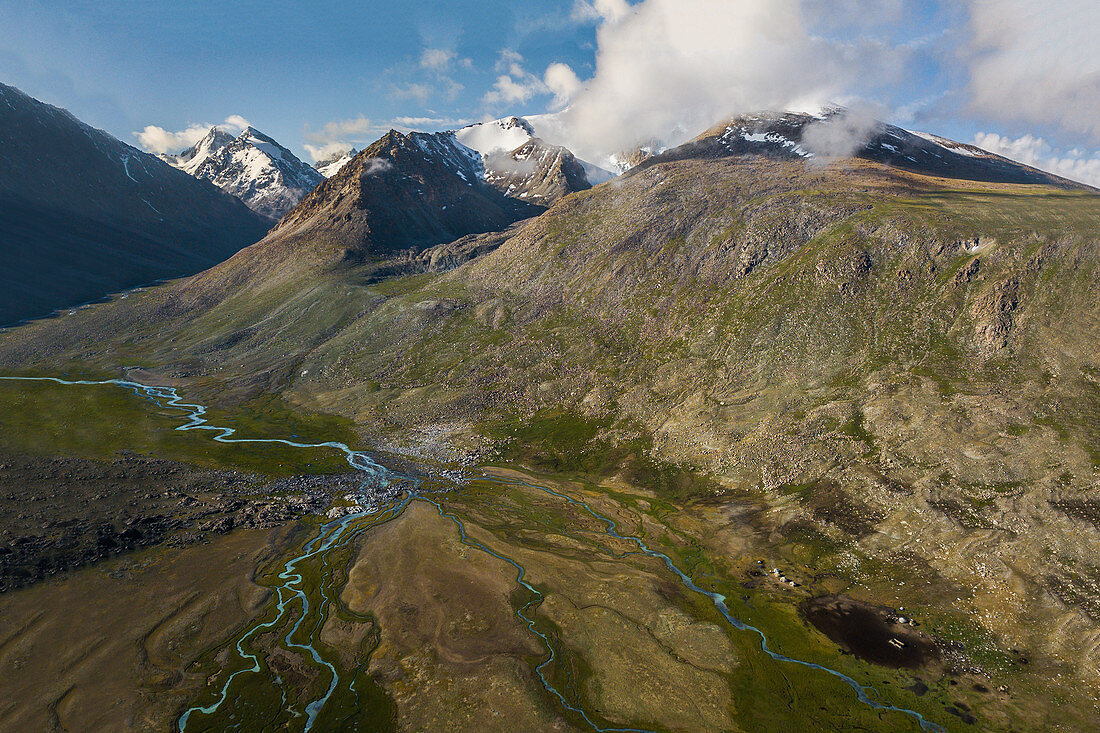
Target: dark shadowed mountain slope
{"points": [[83, 214]]}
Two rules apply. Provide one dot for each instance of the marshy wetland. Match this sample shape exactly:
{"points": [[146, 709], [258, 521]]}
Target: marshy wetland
{"points": [[505, 598]]}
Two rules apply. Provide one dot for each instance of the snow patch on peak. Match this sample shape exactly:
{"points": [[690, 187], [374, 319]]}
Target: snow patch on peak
{"points": [[503, 135], [969, 151], [771, 137], [331, 165]]}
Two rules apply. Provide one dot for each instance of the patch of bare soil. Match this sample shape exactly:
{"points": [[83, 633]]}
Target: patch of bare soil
{"points": [[107, 647]]}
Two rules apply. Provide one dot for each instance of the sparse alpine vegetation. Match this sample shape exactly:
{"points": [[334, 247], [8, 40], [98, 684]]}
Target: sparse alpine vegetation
{"points": [[894, 364]]}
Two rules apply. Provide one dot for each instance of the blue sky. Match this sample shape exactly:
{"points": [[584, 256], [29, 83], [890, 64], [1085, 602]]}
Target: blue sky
{"points": [[285, 66], [1022, 76]]}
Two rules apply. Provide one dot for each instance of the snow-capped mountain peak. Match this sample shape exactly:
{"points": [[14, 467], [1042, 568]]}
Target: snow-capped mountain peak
{"points": [[796, 135], [330, 165], [503, 135], [521, 164], [255, 168], [189, 160]]}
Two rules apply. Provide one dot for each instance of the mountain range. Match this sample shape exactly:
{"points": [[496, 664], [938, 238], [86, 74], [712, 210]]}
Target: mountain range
{"points": [[824, 136], [83, 214], [872, 353]]}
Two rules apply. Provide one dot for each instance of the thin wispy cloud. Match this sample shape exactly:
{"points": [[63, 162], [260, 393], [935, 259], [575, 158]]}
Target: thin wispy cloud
{"points": [[354, 128], [416, 91], [442, 60]]}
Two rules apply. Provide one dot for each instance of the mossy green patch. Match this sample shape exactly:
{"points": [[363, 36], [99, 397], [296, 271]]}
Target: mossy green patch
{"points": [[565, 442], [98, 421]]}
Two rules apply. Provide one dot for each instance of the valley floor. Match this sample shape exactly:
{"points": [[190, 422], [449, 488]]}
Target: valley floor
{"points": [[502, 601]]}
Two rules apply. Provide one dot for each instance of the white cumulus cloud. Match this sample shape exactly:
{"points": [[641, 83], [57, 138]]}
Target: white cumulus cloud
{"points": [[235, 123], [597, 10], [1037, 62], [516, 84], [669, 69], [1077, 164], [156, 139], [563, 82]]}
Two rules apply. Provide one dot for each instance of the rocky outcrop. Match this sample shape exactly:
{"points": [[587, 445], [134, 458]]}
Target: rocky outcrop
{"points": [[401, 192], [993, 315], [535, 172], [64, 513]]}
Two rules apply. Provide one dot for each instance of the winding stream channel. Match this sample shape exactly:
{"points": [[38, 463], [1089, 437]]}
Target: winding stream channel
{"points": [[385, 494]]}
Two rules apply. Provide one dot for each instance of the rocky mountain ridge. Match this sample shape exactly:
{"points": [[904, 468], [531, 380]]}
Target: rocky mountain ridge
{"points": [[415, 190], [834, 134]]}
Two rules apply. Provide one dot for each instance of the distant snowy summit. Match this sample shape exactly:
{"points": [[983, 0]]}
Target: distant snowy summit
{"points": [[509, 133], [521, 164], [270, 179], [330, 165]]}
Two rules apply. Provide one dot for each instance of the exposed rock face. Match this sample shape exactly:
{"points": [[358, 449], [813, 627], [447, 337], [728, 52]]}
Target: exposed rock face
{"points": [[993, 315], [403, 191], [535, 172], [83, 214]]}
